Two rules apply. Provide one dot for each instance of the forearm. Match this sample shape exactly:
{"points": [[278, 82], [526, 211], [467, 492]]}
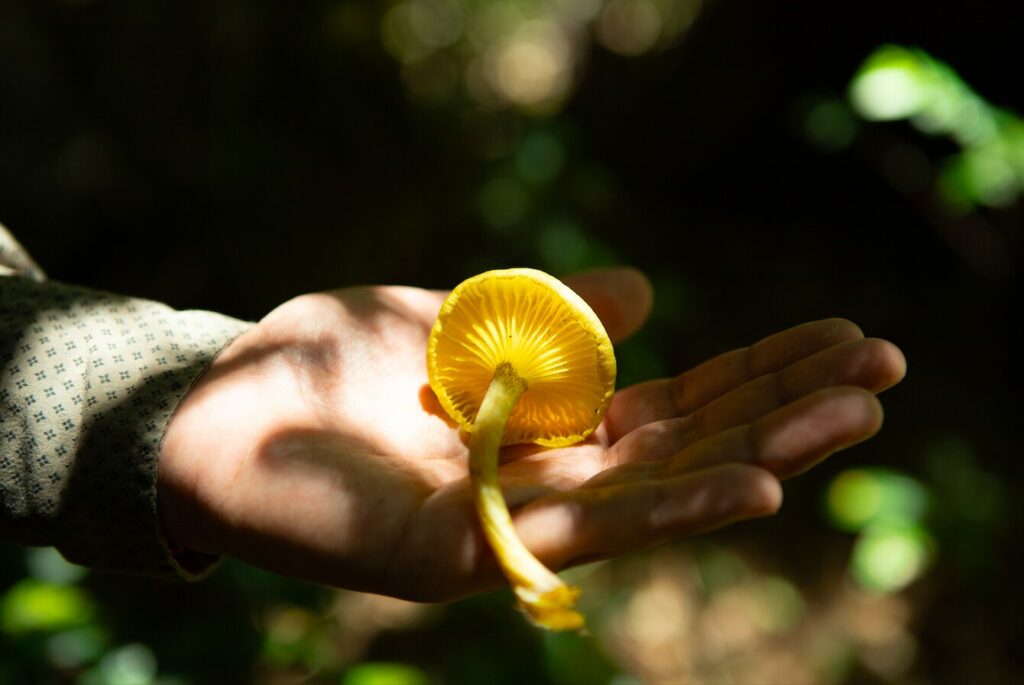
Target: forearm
{"points": [[88, 383]]}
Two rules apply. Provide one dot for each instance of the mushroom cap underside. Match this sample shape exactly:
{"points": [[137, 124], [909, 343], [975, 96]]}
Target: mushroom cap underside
{"points": [[548, 336]]}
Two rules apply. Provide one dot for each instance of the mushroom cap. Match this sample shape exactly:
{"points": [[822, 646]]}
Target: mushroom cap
{"points": [[548, 335]]}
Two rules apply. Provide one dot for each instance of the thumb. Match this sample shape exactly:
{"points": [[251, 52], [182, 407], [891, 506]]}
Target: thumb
{"points": [[620, 296]]}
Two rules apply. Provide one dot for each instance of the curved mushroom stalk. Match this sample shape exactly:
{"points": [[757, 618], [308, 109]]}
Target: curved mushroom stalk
{"points": [[543, 595], [515, 356]]}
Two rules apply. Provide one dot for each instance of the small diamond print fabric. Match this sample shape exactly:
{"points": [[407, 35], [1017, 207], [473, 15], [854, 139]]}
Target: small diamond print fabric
{"points": [[88, 383]]}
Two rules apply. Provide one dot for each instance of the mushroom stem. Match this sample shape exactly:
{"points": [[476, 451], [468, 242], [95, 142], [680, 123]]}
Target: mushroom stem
{"points": [[541, 593]]}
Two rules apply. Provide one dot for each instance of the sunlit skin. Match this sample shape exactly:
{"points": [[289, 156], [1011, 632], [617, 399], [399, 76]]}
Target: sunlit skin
{"points": [[313, 446]]}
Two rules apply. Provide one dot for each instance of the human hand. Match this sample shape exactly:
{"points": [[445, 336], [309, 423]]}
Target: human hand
{"points": [[314, 447]]}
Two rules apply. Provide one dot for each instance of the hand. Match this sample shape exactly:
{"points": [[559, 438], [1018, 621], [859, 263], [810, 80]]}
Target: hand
{"points": [[314, 447]]}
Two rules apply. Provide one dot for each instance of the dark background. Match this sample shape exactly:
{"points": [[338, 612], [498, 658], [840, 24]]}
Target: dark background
{"points": [[228, 156]]}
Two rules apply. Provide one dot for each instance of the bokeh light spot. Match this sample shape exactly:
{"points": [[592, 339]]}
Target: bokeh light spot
{"points": [[861, 497], [991, 179], [629, 27], [563, 246], [676, 18], [433, 79], [888, 93], [46, 564], [888, 558], [531, 68], [436, 23], [493, 21], [503, 201], [854, 497], [780, 602], [829, 125], [540, 157], [32, 605], [382, 673], [580, 11], [413, 29], [133, 664], [74, 648]]}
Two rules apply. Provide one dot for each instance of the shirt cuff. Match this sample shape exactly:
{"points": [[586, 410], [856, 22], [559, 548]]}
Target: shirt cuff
{"points": [[90, 382]]}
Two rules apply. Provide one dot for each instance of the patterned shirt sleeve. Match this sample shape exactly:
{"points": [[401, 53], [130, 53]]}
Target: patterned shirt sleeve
{"points": [[88, 383]]}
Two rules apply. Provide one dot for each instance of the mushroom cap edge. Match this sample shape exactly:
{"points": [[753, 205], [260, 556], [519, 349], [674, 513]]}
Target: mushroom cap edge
{"points": [[579, 323]]}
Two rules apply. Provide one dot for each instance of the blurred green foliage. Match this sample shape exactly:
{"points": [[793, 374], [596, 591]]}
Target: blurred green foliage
{"points": [[34, 606], [384, 674], [861, 498], [900, 83]]}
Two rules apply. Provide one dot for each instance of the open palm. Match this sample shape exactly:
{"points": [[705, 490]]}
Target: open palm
{"points": [[315, 448]]}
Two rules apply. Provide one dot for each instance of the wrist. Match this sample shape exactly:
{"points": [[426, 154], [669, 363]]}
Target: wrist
{"points": [[176, 483], [183, 452]]}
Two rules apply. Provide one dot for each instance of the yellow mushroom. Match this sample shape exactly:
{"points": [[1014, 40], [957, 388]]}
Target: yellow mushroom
{"points": [[515, 356]]}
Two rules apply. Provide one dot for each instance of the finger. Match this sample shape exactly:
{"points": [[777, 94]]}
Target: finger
{"points": [[621, 297], [790, 440], [589, 524], [871, 364], [670, 397]]}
